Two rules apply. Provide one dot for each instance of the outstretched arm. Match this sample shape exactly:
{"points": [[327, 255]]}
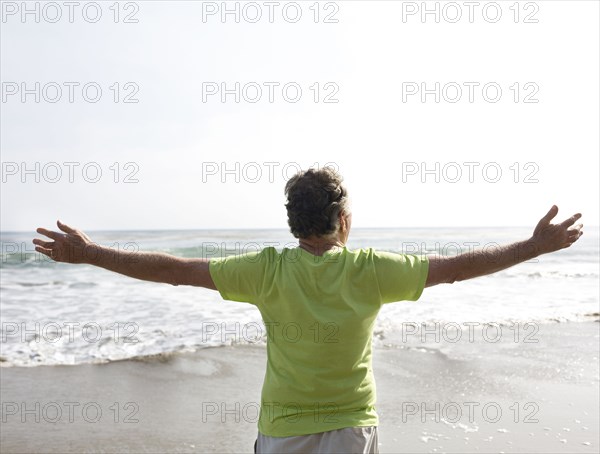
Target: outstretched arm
{"points": [[546, 238], [74, 246]]}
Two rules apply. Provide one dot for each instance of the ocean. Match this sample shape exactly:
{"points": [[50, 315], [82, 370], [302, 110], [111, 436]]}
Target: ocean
{"points": [[57, 313]]}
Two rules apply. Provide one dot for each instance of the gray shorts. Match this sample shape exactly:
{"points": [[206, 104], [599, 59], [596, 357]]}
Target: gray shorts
{"points": [[355, 440]]}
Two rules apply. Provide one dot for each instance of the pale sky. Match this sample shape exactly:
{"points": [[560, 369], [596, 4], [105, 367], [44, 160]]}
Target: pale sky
{"points": [[180, 147]]}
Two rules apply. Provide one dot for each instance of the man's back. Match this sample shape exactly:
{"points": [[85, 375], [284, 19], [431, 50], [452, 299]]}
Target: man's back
{"points": [[319, 313]]}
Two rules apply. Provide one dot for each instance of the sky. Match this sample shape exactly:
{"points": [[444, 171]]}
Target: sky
{"points": [[171, 115]]}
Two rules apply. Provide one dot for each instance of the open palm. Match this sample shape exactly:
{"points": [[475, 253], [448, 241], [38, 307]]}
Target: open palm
{"points": [[72, 246]]}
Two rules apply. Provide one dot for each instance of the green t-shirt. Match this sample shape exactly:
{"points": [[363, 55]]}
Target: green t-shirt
{"points": [[319, 314]]}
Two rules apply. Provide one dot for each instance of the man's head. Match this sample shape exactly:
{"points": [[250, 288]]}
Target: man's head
{"points": [[318, 205]]}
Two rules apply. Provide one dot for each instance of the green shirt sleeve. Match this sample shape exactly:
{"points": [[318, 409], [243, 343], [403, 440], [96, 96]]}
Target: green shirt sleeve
{"points": [[401, 277], [240, 277]]}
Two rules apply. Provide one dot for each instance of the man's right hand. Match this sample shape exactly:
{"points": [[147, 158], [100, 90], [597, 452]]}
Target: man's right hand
{"points": [[552, 237]]}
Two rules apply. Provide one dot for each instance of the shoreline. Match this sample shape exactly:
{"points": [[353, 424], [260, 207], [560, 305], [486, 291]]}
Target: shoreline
{"points": [[431, 397], [382, 334]]}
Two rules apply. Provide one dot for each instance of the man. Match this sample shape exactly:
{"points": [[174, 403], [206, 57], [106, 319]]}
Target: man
{"points": [[319, 303]]}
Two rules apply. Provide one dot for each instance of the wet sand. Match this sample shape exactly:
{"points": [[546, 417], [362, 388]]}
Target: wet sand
{"points": [[432, 397]]}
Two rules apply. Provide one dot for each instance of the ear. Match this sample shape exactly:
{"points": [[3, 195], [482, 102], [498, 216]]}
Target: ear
{"points": [[343, 223]]}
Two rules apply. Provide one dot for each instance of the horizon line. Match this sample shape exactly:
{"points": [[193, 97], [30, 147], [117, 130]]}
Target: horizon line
{"points": [[281, 228]]}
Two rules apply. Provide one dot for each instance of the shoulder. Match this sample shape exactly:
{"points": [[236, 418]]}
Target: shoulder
{"points": [[388, 258], [358, 257], [365, 253], [267, 254]]}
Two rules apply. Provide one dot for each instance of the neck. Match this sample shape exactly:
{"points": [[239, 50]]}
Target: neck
{"points": [[318, 245]]}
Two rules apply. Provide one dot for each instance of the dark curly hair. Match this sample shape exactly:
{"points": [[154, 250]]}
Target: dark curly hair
{"points": [[315, 198]]}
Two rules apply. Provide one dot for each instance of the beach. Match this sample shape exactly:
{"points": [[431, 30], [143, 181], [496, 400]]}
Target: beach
{"points": [[474, 395]]}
